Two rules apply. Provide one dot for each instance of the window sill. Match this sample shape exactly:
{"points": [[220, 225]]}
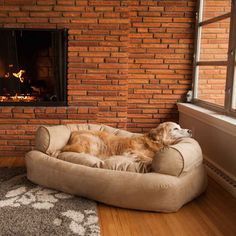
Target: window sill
{"points": [[219, 121]]}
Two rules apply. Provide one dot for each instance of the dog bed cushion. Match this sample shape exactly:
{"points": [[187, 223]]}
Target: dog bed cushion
{"points": [[81, 158], [121, 163]]}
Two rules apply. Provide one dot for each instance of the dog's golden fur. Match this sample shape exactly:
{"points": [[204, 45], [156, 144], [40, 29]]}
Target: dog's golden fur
{"points": [[141, 148]]}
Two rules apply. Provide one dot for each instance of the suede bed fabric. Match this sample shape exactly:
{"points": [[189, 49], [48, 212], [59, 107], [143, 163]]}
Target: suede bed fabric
{"points": [[81, 158], [124, 163], [151, 191], [181, 175]]}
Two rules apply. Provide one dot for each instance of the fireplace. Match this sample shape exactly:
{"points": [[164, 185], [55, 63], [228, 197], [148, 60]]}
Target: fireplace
{"points": [[33, 67]]}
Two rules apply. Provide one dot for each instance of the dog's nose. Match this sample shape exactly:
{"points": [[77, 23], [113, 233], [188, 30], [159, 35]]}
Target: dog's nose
{"points": [[189, 131]]}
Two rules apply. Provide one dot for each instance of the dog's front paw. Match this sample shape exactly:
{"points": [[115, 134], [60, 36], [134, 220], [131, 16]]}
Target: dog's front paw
{"points": [[99, 164], [132, 156], [145, 165]]}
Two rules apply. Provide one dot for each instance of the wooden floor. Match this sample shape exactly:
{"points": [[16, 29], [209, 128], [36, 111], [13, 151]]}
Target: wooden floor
{"points": [[213, 213], [11, 162]]}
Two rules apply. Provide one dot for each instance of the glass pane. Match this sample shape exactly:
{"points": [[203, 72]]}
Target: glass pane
{"points": [[234, 91], [214, 41], [213, 8], [211, 84]]}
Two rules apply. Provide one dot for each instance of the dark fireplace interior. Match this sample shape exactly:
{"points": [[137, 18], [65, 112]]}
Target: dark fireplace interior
{"points": [[33, 66]]}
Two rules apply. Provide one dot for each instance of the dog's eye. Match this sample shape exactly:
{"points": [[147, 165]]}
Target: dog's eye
{"points": [[176, 129]]}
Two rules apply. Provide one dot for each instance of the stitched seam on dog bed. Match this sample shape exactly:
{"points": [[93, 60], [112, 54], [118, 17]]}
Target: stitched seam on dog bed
{"points": [[45, 128], [181, 171], [49, 139]]}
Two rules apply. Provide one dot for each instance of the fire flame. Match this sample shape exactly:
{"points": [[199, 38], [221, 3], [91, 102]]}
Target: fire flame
{"points": [[19, 75]]}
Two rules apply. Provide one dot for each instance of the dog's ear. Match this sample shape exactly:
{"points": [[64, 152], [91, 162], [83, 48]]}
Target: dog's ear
{"points": [[154, 134]]}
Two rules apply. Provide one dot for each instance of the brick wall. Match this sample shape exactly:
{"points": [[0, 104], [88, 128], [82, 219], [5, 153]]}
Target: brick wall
{"points": [[160, 60], [129, 62]]}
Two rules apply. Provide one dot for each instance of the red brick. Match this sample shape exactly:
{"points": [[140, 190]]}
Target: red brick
{"points": [[18, 14], [68, 8], [6, 109], [32, 20], [7, 20], [19, 2], [104, 3], [114, 21], [103, 9], [36, 8], [9, 8], [66, 2]]}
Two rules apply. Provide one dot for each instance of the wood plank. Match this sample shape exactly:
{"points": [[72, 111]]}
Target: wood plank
{"points": [[12, 161]]}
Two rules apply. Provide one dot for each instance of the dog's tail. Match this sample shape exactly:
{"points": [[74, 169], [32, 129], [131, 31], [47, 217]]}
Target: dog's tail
{"points": [[66, 148], [73, 148]]}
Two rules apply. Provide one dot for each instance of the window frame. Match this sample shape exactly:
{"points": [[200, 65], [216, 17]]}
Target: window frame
{"points": [[227, 109]]}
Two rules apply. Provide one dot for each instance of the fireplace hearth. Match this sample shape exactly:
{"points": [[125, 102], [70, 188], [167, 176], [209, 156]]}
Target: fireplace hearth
{"points": [[33, 67]]}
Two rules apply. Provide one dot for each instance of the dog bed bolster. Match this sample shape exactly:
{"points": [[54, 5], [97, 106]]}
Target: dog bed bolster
{"points": [[178, 158], [50, 139]]}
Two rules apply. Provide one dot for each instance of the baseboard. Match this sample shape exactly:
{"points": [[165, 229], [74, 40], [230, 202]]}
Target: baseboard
{"points": [[226, 180]]}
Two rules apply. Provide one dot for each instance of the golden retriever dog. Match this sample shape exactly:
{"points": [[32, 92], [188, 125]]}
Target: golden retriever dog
{"points": [[141, 148]]}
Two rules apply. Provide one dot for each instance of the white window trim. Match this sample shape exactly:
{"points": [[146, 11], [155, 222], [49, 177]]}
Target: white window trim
{"points": [[225, 123]]}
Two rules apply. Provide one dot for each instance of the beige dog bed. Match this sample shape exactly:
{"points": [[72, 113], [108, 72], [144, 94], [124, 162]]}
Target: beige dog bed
{"points": [[178, 173]]}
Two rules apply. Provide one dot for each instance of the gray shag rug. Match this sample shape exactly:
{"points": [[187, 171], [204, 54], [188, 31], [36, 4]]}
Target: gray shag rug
{"points": [[29, 209]]}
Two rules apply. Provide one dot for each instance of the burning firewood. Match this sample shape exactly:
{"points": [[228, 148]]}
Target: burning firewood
{"points": [[36, 89]]}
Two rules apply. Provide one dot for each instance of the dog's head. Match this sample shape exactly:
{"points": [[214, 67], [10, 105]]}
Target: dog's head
{"points": [[168, 133]]}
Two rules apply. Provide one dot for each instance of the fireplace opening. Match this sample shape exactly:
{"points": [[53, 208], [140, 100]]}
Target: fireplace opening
{"points": [[33, 67]]}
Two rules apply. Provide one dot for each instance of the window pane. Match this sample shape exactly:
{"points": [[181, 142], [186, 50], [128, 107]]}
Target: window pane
{"points": [[213, 8], [234, 91], [214, 41], [211, 84]]}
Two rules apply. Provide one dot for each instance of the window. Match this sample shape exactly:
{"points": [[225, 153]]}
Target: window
{"points": [[214, 83]]}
